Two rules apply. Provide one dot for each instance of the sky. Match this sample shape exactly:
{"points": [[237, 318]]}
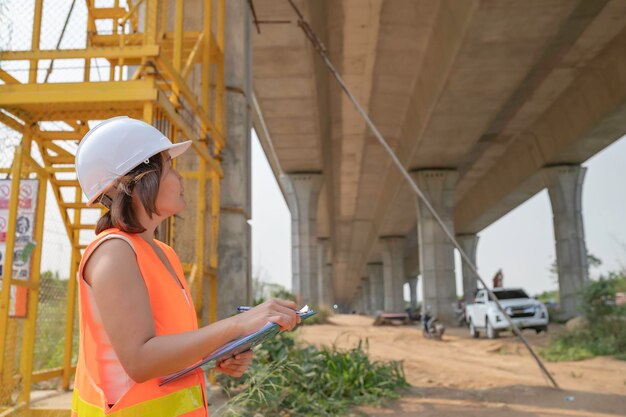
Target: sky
{"points": [[520, 243]]}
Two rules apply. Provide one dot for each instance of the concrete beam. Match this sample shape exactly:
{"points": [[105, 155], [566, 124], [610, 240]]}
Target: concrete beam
{"points": [[565, 185], [235, 253], [377, 287], [469, 243], [366, 295], [449, 30], [393, 273], [302, 198], [412, 281], [325, 267], [436, 251], [587, 117]]}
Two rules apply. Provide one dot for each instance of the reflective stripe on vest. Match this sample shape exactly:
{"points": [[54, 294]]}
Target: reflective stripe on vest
{"points": [[175, 404]]}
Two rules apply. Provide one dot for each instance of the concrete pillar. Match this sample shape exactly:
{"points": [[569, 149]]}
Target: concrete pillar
{"points": [[413, 291], [324, 273], [468, 243], [377, 287], [357, 302], [235, 254], [436, 251], [393, 273], [366, 295], [302, 198], [565, 186]]}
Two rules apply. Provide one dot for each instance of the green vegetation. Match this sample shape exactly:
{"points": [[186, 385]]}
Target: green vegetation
{"points": [[287, 380], [264, 290], [50, 335], [605, 333]]}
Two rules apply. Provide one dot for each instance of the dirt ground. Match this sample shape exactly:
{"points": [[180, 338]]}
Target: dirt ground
{"points": [[463, 377], [460, 376]]}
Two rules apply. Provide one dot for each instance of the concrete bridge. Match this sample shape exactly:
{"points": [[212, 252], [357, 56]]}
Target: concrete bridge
{"points": [[486, 102]]}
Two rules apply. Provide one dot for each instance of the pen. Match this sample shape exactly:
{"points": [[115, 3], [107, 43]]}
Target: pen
{"points": [[241, 309]]}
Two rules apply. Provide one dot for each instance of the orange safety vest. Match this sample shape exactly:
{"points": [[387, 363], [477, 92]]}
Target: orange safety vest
{"points": [[171, 313]]}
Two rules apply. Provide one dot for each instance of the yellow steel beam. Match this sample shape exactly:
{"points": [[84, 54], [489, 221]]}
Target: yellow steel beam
{"points": [[45, 374], [108, 13], [82, 226], [207, 124], [206, 56], [50, 135], [65, 183], [62, 159], [36, 35], [178, 47], [59, 151], [11, 122], [150, 22], [13, 410], [54, 170], [193, 57], [75, 205], [57, 93], [128, 15], [188, 132], [7, 78], [112, 52], [70, 312], [22, 283], [5, 292]]}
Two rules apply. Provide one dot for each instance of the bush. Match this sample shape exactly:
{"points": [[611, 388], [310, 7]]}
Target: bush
{"points": [[302, 381], [606, 332], [321, 317]]}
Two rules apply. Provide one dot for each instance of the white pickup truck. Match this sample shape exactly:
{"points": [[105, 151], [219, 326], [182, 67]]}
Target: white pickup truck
{"points": [[526, 312]]}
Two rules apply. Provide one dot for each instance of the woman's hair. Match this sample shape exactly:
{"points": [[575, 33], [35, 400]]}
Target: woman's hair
{"points": [[145, 180]]}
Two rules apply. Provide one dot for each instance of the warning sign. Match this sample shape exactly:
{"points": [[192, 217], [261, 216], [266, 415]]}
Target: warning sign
{"points": [[24, 239]]}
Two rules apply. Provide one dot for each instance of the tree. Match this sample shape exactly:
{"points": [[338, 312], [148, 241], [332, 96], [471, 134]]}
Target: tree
{"points": [[592, 260]]}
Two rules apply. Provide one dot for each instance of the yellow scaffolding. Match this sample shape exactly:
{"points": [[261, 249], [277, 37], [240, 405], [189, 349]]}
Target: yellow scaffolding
{"points": [[160, 71]]}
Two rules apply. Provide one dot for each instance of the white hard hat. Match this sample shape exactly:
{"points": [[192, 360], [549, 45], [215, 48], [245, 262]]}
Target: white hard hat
{"points": [[113, 148]]}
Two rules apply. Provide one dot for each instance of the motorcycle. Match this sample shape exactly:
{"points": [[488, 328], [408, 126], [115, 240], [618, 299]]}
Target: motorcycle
{"points": [[432, 327]]}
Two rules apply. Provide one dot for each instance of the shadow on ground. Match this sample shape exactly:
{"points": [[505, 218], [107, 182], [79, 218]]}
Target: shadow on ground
{"points": [[511, 401]]}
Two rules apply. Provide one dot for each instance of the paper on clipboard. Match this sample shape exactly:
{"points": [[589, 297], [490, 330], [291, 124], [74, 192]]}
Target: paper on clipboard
{"points": [[236, 347]]}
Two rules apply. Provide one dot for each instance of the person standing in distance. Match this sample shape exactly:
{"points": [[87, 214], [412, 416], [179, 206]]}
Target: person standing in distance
{"points": [[137, 320]]}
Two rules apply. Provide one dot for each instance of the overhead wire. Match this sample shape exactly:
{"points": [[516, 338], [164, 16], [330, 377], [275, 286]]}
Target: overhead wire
{"points": [[321, 49]]}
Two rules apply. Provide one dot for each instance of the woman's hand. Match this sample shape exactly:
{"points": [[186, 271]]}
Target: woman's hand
{"points": [[237, 365], [281, 312]]}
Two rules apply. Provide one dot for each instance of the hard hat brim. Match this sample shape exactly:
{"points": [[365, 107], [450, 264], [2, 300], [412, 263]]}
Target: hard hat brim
{"points": [[178, 149]]}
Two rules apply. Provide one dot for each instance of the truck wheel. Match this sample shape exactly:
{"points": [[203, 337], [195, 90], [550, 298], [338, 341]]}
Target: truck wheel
{"points": [[491, 332], [472, 330]]}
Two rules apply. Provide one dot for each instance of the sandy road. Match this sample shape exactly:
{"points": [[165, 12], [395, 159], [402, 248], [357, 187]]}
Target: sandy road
{"points": [[461, 376]]}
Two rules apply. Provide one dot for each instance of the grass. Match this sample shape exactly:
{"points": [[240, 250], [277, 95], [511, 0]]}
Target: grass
{"points": [[287, 380], [605, 335]]}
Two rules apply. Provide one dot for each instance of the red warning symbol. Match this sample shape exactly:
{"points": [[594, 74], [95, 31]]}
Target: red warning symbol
{"points": [[26, 190], [5, 194]]}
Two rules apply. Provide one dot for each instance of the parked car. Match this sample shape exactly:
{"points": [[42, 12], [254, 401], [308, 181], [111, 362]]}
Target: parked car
{"points": [[526, 312]]}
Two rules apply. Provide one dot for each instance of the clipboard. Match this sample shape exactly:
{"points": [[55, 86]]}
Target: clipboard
{"points": [[234, 348]]}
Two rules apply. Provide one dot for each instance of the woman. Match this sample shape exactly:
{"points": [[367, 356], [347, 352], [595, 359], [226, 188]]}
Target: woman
{"points": [[137, 321]]}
